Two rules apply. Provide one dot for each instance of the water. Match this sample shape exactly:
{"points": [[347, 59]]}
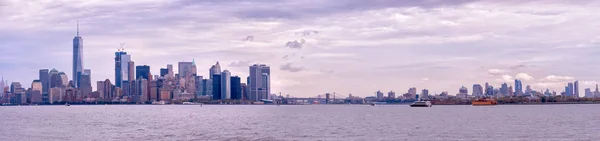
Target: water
{"points": [[309, 122]]}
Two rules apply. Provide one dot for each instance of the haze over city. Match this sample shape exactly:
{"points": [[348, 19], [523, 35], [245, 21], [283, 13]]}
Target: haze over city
{"points": [[351, 46]]}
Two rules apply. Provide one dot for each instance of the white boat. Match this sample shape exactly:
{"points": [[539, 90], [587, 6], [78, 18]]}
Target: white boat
{"points": [[421, 104]]}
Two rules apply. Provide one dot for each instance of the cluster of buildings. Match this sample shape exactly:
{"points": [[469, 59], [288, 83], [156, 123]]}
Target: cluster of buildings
{"points": [[136, 84], [487, 90]]}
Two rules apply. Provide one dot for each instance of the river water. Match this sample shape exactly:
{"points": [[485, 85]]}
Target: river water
{"points": [[306, 122]]}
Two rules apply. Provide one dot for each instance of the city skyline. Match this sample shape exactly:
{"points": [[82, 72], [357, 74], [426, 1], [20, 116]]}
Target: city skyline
{"points": [[322, 55]]}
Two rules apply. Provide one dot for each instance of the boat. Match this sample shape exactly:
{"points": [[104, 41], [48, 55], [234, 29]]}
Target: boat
{"points": [[67, 104], [421, 104], [484, 102], [372, 104]]}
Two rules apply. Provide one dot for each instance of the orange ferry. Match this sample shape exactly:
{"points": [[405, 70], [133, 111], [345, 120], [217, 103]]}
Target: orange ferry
{"points": [[484, 102]]}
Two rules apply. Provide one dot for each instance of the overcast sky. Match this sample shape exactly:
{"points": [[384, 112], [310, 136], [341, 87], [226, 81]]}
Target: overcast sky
{"points": [[316, 46]]}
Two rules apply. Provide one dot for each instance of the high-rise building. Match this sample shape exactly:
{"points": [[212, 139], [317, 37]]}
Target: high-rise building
{"points": [[518, 87], [477, 90], [489, 90], [463, 90], [77, 57], [576, 89], [391, 95], [121, 67], [131, 71], [511, 91], [424, 93], [245, 91], [569, 90], [412, 91], [44, 78], [588, 93], [143, 72], [85, 82], [215, 69], [216, 86], [36, 85], [100, 89], [164, 71], [225, 85], [259, 81], [504, 89], [207, 87], [65, 79], [15, 86], [236, 87], [186, 68], [56, 79], [379, 95]]}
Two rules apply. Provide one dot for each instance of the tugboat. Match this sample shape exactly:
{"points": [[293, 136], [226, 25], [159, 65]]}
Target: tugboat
{"points": [[420, 103], [484, 102]]}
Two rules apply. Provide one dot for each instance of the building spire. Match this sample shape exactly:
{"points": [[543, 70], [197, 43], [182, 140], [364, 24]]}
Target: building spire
{"points": [[77, 28]]}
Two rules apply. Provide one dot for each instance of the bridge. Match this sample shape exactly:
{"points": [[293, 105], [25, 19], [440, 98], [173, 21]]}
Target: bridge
{"points": [[318, 99]]}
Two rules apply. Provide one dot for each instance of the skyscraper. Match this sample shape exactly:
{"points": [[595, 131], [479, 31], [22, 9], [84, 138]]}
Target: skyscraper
{"points": [[379, 94], [142, 72], [576, 89], [85, 87], [216, 86], [164, 71], [518, 87], [131, 71], [44, 78], [215, 69], [77, 57], [588, 93], [504, 89], [225, 85], [121, 67], [236, 87], [569, 90], [186, 68], [477, 90], [258, 88], [424, 93]]}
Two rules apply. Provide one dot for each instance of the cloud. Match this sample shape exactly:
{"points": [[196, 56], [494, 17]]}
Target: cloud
{"points": [[496, 71], [524, 76], [558, 78], [240, 63], [289, 67], [517, 66], [425, 79], [295, 44], [307, 32], [248, 38], [331, 55], [507, 78]]}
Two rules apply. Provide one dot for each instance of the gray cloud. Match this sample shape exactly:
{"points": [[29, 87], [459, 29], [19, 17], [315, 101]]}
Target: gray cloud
{"points": [[249, 38], [295, 44], [289, 67]]}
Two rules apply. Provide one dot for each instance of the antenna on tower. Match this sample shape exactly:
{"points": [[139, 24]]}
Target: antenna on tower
{"points": [[77, 28]]}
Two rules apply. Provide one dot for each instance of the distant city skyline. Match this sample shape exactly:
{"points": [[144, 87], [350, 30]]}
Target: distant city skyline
{"points": [[316, 47]]}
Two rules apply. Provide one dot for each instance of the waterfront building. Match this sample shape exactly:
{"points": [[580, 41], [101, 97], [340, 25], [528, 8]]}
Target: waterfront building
{"points": [[259, 81], [143, 72], [77, 58], [236, 88]]}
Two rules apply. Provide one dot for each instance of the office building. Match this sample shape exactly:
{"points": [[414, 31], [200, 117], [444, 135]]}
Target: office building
{"points": [[518, 87], [225, 85], [477, 90], [77, 57], [187, 69], [216, 86], [391, 95], [121, 67], [424, 93], [504, 89], [143, 72], [236, 88], [379, 95], [259, 81], [44, 78], [85, 87], [576, 89], [215, 69], [164, 71]]}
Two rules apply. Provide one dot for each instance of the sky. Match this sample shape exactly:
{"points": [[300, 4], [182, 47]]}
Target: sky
{"points": [[316, 46]]}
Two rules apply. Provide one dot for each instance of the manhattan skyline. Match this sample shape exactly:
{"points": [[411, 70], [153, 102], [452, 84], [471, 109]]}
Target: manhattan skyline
{"points": [[317, 47]]}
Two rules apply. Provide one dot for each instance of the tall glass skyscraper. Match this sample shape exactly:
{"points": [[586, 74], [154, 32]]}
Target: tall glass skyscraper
{"points": [[259, 81], [77, 58], [121, 67]]}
